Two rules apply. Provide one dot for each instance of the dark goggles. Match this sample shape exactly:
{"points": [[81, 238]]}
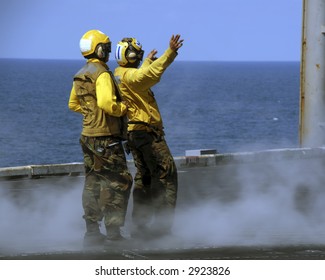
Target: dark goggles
{"points": [[139, 53], [107, 47]]}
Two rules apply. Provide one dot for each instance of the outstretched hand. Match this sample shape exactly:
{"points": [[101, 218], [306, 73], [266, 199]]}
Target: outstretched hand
{"points": [[152, 55], [175, 42]]}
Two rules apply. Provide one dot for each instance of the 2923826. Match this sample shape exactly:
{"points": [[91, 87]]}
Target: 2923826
{"points": [[208, 270]]}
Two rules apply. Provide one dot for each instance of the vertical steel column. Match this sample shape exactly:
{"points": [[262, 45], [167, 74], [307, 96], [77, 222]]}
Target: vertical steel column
{"points": [[312, 75]]}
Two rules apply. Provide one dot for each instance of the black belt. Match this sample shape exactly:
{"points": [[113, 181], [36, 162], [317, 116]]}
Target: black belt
{"points": [[155, 128]]}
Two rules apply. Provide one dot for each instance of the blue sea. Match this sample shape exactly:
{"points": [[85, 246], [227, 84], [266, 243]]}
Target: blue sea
{"points": [[227, 106]]}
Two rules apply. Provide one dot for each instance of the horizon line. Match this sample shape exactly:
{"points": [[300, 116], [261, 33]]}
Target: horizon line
{"points": [[181, 60]]}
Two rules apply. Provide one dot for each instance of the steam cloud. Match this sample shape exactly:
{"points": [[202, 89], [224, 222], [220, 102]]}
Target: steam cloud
{"points": [[275, 203], [280, 202]]}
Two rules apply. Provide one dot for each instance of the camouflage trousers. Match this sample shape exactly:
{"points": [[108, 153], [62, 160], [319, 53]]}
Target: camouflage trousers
{"points": [[107, 180], [155, 182]]}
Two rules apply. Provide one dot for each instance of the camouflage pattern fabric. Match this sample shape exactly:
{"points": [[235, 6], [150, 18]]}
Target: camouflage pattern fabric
{"points": [[107, 180], [155, 182]]}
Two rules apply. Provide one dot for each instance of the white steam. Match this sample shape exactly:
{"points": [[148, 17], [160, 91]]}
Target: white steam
{"points": [[275, 203], [47, 217], [279, 203]]}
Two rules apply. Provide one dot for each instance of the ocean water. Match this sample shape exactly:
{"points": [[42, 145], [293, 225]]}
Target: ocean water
{"points": [[227, 106]]}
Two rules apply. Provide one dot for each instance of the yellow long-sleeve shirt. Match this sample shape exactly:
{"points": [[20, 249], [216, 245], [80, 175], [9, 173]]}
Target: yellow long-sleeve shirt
{"points": [[135, 87], [99, 105], [106, 98]]}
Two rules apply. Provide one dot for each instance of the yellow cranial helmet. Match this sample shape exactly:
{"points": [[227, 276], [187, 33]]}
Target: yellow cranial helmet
{"points": [[129, 52], [90, 40]]}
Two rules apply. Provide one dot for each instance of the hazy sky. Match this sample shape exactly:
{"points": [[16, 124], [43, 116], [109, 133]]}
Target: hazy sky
{"points": [[228, 30]]}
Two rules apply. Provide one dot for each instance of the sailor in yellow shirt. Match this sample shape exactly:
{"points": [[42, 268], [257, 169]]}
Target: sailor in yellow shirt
{"points": [[105, 94], [155, 182], [108, 182]]}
